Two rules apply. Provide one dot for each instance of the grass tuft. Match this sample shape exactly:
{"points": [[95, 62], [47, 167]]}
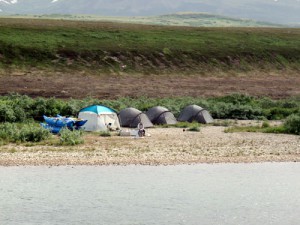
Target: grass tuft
{"points": [[68, 137], [105, 134]]}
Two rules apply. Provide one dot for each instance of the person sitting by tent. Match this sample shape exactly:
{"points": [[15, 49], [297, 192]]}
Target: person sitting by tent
{"points": [[109, 128], [141, 130]]}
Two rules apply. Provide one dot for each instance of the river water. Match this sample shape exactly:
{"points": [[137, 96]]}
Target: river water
{"points": [[267, 193]]}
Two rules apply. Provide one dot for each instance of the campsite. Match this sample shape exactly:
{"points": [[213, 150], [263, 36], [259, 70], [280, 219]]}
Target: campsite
{"points": [[199, 99], [166, 146], [149, 112], [227, 129]]}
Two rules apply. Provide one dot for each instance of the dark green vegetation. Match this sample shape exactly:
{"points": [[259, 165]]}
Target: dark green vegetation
{"points": [[23, 109], [114, 47], [68, 137], [20, 108], [290, 126], [105, 134], [11, 132], [194, 126], [33, 132]]}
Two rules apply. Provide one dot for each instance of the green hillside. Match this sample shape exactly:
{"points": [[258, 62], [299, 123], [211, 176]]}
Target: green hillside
{"points": [[113, 47]]}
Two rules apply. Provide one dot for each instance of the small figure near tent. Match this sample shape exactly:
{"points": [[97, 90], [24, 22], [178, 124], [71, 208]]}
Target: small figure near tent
{"points": [[109, 128], [141, 130]]}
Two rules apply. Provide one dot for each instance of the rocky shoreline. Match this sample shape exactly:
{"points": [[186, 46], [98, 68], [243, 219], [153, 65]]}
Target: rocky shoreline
{"points": [[165, 146]]}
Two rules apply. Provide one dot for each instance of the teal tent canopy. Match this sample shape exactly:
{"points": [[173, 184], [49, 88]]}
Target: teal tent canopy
{"points": [[98, 109]]}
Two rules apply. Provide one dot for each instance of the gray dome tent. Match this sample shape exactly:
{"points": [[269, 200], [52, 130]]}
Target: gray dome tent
{"points": [[131, 117], [195, 113], [161, 115]]}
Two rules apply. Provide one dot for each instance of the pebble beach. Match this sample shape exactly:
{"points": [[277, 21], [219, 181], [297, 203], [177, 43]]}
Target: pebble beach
{"points": [[163, 146]]}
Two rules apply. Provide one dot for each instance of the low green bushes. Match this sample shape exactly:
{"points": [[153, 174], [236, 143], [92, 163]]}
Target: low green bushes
{"points": [[222, 110], [105, 134], [194, 128], [20, 108], [32, 132], [68, 137], [276, 130], [7, 113], [292, 124], [23, 133]]}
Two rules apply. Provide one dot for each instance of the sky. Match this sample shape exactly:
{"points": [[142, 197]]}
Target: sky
{"points": [[277, 11]]}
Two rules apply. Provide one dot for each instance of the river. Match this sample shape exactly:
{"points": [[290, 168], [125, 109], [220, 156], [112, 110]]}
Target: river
{"points": [[266, 193]]}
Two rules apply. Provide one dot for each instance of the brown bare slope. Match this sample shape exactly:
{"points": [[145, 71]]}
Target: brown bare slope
{"points": [[66, 85], [107, 60]]}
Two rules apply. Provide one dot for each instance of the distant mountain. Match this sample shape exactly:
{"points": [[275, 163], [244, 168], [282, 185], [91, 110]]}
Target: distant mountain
{"points": [[274, 11], [202, 20], [177, 19]]}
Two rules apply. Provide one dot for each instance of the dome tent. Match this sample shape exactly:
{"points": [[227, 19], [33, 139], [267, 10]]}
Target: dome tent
{"points": [[99, 117], [131, 117], [161, 115], [195, 113]]}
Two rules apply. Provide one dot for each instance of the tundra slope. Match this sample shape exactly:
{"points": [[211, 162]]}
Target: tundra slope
{"points": [[50, 58]]}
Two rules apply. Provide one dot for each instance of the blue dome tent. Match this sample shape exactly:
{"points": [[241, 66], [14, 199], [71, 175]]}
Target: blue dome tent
{"points": [[99, 118]]}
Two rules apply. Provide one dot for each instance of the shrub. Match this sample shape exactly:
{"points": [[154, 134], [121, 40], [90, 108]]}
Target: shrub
{"points": [[7, 113], [182, 124], [19, 113], [230, 111], [292, 124], [49, 107], [278, 113], [224, 123], [23, 132], [276, 130], [265, 124], [31, 133], [68, 137], [194, 128], [7, 130], [237, 98], [19, 108], [105, 134]]}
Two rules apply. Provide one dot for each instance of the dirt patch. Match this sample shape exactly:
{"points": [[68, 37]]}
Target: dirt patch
{"points": [[79, 85]]}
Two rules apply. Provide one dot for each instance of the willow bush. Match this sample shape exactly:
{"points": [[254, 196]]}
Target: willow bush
{"points": [[12, 132], [292, 124], [20, 108], [68, 137]]}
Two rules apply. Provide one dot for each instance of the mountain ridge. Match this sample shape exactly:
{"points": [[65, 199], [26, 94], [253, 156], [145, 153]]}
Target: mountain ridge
{"points": [[190, 19]]}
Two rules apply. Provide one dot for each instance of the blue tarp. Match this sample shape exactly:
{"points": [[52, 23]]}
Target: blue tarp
{"points": [[55, 124]]}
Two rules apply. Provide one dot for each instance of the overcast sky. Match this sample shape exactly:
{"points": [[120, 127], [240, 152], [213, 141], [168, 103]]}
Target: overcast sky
{"points": [[278, 11]]}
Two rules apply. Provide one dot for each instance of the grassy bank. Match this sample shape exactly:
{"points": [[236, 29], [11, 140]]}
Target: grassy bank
{"points": [[114, 47]]}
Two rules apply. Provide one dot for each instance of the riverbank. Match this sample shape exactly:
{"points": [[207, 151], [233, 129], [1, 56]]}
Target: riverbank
{"points": [[165, 146]]}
